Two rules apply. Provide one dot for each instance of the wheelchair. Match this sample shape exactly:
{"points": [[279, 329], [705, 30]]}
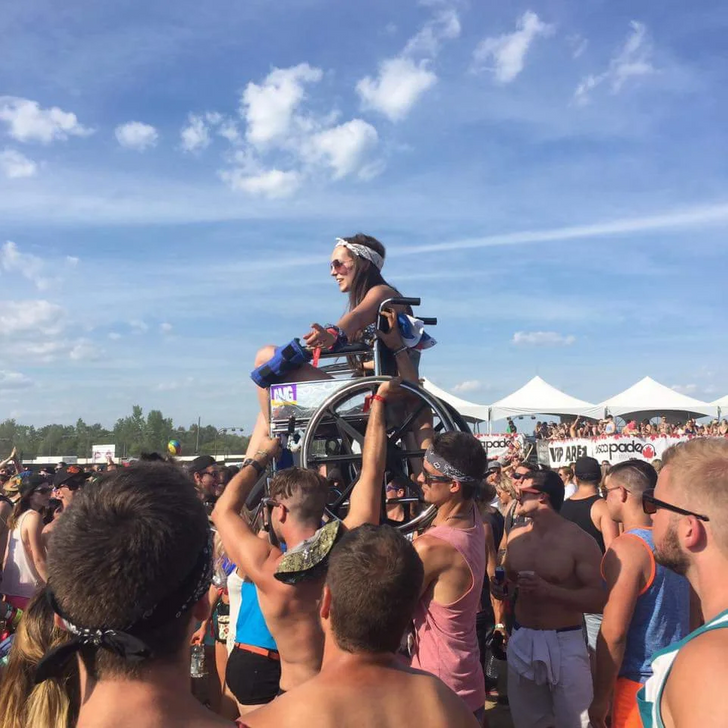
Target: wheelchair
{"points": [[323, 424]]}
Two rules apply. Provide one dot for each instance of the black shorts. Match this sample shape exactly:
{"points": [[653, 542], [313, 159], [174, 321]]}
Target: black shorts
{"points": [[252, 679]]}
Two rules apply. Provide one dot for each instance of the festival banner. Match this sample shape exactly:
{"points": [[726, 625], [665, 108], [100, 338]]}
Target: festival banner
{"points": [[612, 449], [100, 452], [499, 445]]}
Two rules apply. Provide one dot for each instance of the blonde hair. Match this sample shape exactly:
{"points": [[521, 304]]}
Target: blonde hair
{"points": [[55, 702], [699, 469]]}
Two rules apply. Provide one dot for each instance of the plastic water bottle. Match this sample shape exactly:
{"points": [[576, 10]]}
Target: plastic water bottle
{"points": [[197, 661]]}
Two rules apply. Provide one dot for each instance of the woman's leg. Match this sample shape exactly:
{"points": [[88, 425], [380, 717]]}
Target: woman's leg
{"points": [[304, 373]]}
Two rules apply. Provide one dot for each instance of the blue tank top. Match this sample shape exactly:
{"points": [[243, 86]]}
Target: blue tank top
{"points": [[251, 628], [661, 615]]}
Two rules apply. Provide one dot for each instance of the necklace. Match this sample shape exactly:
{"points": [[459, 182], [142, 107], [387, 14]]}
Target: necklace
{"points": [[461, 516]]}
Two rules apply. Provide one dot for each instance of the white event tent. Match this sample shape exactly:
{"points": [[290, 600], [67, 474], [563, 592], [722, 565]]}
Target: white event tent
{"points": [[722, 405], [649, 398], [538, 397], [469, 410]]}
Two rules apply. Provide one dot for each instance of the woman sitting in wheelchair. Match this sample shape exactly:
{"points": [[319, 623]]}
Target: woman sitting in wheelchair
{"points": [[356, 265]]}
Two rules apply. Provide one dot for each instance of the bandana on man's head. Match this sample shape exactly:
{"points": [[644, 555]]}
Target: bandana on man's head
{"points": [[123, 642], [444, 467], [362, 251]]}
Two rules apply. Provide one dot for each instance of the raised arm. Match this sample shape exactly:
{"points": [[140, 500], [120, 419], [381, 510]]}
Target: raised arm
{"points": [[242, 546], [623, 566], [366, 498]]}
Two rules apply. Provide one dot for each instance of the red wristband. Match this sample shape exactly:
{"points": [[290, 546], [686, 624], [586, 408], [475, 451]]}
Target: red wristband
{"points": [[377, 398]]}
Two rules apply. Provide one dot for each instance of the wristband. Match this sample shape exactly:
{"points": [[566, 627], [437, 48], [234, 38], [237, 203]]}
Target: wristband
{"points": [[400, 350], [260, 469], [377, 398], [499, 626]]}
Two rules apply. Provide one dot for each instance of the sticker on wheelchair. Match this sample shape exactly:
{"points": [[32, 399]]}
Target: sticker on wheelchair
{"points": [[283, 394]]}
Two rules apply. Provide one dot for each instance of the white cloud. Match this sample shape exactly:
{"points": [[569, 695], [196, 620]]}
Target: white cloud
{"points": [[403, 79], [269, 108], [272, 183], [344, 148], [15, 165], [632, 60], [37, 317], [14, 380], [165, 328], [84, 350], [685, 388], [114, 335], [25, 264], [396, 89], [469, 385], [445, 25], [139, 327], [542, 338], [578, 45], [136, 135], [505, 55], [196, 135], [28, 122]]}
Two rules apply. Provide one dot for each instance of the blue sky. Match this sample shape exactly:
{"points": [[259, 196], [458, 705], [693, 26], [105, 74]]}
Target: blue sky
{"points": [[550, 178]]}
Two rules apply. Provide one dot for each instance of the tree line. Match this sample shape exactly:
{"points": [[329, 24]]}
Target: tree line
{"points": [[132, 435]]}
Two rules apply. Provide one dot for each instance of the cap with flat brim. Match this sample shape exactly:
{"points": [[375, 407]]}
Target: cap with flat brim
{"points": [[71, 476]]}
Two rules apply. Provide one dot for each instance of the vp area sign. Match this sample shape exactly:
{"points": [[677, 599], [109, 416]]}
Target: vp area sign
{"points": [[566, 454]]}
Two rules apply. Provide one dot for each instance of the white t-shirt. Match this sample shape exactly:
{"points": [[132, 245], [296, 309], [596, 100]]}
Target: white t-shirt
{"points": [[569, 490]]}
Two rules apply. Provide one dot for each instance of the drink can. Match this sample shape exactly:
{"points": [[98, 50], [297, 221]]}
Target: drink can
{"points": [[500, 574]]}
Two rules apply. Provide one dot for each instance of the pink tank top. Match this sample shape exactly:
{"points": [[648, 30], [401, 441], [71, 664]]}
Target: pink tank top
{"points": [[446, 644]]}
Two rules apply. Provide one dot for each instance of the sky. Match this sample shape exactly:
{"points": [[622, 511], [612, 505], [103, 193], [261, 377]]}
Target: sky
{"points": [[550, 178]]}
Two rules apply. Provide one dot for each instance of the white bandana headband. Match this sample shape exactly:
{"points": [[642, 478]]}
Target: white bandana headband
{"points": [[362, 251], [440, 464]]}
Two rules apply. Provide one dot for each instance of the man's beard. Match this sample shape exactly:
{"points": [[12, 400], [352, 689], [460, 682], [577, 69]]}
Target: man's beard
{"points": [[669, 553]]}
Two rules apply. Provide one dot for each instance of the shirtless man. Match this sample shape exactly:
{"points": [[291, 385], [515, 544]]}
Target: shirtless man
{"points": [[372, 586], [297, 500], [689, 510], [555, 566]]}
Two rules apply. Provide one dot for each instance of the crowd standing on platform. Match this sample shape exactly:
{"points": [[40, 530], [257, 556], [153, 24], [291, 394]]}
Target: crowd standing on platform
{"points": [[657, 426]]}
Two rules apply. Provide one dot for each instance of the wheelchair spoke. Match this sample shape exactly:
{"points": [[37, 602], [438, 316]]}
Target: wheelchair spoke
{"points": [[345, 493], [344, 427], [348, 458], [407, 424]]}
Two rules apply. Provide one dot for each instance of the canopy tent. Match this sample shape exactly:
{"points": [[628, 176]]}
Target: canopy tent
{"points": [[722, 405], [538, 397], [469, 410], [649, 398]]}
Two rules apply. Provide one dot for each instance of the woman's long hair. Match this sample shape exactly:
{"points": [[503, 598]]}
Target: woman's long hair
{"points": [[55, 702], [366, 274], [20, 507]]}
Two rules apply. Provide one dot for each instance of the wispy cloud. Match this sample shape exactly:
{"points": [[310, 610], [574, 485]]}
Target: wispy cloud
{"points": [[28, 122], [404, 78], [505, 55], [195, 136], [10, 381], [136, 135], [469, 385], [542, 338], [632, 60], [15, 165]]}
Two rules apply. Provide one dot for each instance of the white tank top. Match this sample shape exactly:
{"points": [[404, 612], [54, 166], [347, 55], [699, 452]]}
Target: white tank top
{"points": [[235, 586], [20, 578]]}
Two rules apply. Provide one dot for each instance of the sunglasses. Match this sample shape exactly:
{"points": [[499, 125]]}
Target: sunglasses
{"points": [[519, 476], [271, 503], [430, 479], [651, 505], [338, 266]]}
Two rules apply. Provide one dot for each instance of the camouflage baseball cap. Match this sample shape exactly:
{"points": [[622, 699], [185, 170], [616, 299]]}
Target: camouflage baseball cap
{"points": [[309, 559]]}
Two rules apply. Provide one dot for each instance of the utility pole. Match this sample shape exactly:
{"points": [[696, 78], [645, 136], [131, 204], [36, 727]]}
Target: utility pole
{"points": [[197, 444]]}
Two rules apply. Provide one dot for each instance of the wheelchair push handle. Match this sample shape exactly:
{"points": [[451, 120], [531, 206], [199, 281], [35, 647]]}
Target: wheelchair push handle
{"points": [[400, 301]]}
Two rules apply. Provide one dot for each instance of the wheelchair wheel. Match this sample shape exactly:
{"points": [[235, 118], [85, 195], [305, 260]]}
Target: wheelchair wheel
{"points": [[334, 437]]}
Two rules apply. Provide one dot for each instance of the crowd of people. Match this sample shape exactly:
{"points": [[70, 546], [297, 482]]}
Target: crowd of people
{"points": [[156, 595], [579, 427]]}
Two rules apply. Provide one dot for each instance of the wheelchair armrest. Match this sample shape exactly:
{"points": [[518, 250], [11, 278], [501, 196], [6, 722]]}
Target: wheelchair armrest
{"points": [[346, 351]]}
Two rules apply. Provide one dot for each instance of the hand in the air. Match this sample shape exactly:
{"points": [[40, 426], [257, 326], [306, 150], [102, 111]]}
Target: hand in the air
{"points": [[271, 446], [392, 339], [390, 388], [319, 338]]}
